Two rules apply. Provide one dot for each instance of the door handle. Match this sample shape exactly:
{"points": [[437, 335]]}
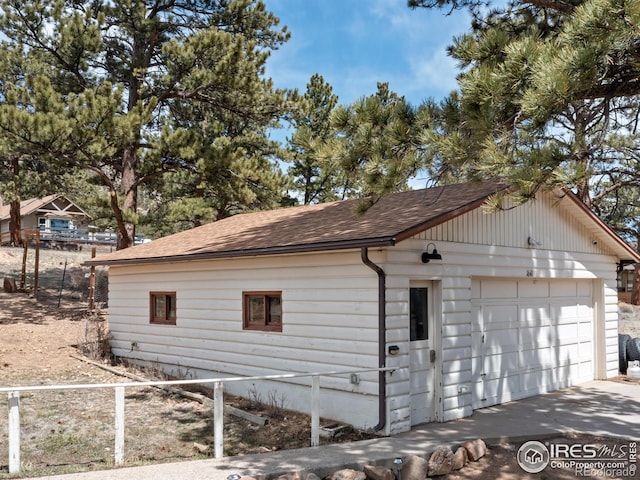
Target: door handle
{"points": [[432, 356]]}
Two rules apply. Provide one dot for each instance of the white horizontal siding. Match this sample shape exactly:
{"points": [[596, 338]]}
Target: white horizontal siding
{"points": [[329, 314]]}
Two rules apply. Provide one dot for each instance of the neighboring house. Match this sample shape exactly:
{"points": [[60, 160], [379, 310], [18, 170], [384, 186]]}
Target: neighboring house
{"points": [[513, 303], [626, 273], [53, 213]]}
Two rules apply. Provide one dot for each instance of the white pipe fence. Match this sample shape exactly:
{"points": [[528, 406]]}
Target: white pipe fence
{"points": [[119, 391]]}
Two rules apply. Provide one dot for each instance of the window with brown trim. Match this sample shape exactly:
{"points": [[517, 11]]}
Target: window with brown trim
{"points": [[262, 311], [163, 308]]}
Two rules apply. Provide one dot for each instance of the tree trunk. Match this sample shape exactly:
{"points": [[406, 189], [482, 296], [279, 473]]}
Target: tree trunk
{"points": [[129, 189], [15, 221], [635, 292]]}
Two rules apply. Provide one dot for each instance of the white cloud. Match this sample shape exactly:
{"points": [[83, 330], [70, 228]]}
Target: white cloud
{"points": [[437, 71]]}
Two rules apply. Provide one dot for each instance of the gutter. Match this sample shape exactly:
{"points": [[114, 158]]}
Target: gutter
{"points": [[189, 256], [382, 336]]}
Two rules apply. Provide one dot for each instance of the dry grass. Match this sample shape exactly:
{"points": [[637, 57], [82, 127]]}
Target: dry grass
{"points": [[629, 319], [73, 430]]}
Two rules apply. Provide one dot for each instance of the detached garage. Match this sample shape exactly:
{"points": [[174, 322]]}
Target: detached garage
{"points": [[471, 308]]}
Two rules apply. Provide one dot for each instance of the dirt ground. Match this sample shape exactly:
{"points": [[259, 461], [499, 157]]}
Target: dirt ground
{"points": [[69, 431]]}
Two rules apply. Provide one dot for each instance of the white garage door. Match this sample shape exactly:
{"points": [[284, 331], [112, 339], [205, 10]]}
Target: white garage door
{"points": [[529, 337]]}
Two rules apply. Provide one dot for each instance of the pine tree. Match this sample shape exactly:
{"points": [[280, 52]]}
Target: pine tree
{"points": [[314, 177], [131, 71], [378, 144], [548, 98]]}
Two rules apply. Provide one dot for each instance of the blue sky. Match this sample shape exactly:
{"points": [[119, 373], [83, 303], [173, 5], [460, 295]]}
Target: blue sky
{"points": [[354, 44]]}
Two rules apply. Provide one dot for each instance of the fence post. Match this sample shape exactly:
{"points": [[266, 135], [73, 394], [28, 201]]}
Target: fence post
{"points": [[218, 420], [119, 442], [14, 432], [315, 410]]}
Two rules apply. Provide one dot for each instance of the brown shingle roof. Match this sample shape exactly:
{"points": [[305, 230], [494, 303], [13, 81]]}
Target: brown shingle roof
{"points": [[327, 226], [27, 207]]}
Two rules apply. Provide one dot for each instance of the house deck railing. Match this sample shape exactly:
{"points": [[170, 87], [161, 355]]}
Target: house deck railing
{"points": [[218, 406]]}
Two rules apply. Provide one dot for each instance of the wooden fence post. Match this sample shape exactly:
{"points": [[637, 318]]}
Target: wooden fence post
{"points": [[315, 410], [218, 420], [92, 283], [119, 442], [14, 432]]}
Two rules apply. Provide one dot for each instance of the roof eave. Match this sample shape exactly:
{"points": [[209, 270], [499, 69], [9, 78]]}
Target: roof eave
{"points": [[633, 255], [445, 217], [253, 252]]}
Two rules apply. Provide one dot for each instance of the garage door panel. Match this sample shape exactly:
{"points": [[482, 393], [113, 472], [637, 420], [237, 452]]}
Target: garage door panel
{"points": [[533, 289], [494, 317], [499, 390], [535, 337], [495, 366], [570, 313], [534, 315], [535, 358], [506, 288], [501, 341], [537, 341], [565, 332], [564, 289]]}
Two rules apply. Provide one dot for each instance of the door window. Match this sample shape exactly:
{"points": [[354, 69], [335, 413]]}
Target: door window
{"points": [[419, 314]]}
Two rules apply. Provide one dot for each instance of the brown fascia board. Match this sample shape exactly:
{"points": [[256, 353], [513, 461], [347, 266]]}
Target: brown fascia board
{"points": [[256, 252]]}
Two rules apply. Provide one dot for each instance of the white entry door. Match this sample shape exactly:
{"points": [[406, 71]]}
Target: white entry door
{"points": [[422, 353]]}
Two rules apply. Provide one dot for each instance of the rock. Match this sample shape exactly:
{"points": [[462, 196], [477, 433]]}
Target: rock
{"points": [[200, 447], [289, 476], [347, 474], [476, 449], [440, 462], [311, 476], [378, 473], [246, 478], [414, 468], [460, 458]]}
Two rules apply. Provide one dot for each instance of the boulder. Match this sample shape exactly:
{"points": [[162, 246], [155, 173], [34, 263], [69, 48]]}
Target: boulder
{"points": [[414, 468], [476, 449], [460, 458], [200, 447], [378, 473], [347, 474], [289, 476], [440, 462]]}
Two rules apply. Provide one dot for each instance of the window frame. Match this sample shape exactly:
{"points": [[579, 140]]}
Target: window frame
{"points": [[267, 326], [166, 320]]}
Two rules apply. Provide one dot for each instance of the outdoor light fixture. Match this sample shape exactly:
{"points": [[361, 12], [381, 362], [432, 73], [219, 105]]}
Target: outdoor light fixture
{"points": [[398, 462], [433, 255]]}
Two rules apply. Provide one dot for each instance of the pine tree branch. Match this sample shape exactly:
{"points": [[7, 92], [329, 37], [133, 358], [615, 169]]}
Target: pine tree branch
{"points": [[557, 5]]}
